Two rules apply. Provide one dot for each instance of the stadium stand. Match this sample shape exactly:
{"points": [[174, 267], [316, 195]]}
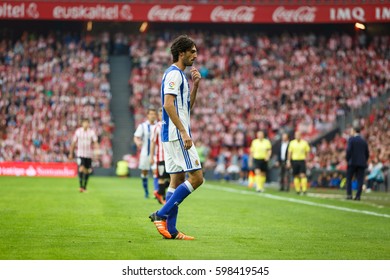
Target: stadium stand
{"points": [[47, 85]]}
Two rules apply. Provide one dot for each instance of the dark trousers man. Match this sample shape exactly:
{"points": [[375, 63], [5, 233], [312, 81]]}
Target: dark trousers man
{"points": [[358, 172], [284, 177]]}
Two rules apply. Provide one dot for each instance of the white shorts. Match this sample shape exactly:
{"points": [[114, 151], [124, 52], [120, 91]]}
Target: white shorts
{"points": [[178, 159], [144, 163]]}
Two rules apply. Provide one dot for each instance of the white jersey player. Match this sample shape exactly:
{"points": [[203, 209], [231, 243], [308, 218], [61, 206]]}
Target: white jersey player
{"points": [[157, 157], [142, 140]]}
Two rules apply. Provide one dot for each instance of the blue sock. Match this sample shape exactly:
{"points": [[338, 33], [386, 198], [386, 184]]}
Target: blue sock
{"points": [[178, 196], [145, 185], [172, 218], [155, 183]]}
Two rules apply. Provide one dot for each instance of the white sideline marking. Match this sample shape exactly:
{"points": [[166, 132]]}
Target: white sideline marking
{"points": [[276, 197]]}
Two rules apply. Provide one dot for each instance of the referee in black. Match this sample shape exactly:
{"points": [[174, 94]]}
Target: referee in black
{"points": [[357, 156]]}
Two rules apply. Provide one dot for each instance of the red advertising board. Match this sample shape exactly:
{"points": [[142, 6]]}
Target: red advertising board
{"points": [[38, 169], [194, 12]]}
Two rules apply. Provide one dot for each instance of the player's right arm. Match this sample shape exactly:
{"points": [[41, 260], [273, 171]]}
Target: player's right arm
{"points": [[169, 107], [196, 79]]}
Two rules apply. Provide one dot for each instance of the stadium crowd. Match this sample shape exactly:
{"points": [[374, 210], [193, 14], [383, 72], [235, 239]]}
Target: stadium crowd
{"points": [[47, 84], [272, 83]]}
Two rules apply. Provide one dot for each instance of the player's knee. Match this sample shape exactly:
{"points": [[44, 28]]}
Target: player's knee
{"points": [[197, 181]]}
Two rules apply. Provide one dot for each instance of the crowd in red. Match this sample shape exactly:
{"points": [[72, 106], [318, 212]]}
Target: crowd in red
{"points": [[47, 84], [330, 155], [274, 83]]}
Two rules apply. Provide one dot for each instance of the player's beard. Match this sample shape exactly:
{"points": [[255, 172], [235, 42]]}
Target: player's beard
{"points": [[188, 62]]}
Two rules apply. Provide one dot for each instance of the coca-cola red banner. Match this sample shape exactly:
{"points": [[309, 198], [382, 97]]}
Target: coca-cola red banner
{"points": [[194, 12], [38, 169]]}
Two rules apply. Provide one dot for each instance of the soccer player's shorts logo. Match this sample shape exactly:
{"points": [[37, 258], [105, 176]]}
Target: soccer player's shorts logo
{"points": [[196, 162]]}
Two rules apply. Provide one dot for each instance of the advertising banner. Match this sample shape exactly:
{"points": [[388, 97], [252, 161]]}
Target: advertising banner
{"points": [[38, 169], [194, 12]]}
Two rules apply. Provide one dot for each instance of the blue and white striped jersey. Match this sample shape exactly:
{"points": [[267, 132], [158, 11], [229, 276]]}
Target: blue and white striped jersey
{"points": [[144, 131], [175, 82]]}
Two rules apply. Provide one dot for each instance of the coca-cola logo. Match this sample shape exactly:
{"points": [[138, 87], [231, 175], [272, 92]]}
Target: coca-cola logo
{"points": [[301, 14], [238, 14], [176, 13]]}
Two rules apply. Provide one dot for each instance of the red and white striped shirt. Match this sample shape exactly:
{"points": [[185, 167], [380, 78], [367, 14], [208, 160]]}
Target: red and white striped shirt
{"points": [[84, 139], [156, 138]]}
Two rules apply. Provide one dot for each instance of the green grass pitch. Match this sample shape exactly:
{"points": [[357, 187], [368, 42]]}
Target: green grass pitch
{"points": [[46, 219]]}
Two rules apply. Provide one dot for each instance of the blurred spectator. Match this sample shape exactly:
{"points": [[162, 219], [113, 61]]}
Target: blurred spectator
{"points": [[376, 175], [47, 85], [244, 158], [233, 169]]}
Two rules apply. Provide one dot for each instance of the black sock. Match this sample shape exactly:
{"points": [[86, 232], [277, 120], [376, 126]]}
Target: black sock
{"points": [[81, 176], [86, 175], [162, 187]]}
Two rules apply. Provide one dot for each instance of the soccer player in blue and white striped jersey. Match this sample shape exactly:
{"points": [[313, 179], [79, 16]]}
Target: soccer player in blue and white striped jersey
{"points": [[180, 153], [142, 140]]}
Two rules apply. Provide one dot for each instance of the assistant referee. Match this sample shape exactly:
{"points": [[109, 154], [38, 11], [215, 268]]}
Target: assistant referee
{"points": [[298, 151], [260, 153]]}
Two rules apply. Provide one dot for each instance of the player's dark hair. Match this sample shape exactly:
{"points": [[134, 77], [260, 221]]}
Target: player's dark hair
{"points": [[151, 109], [181, 44]]}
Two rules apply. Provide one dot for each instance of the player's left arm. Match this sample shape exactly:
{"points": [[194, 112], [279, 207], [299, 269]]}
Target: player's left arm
{"points": [[95, 142], [307, 150], [196, 77], [269, 151]]}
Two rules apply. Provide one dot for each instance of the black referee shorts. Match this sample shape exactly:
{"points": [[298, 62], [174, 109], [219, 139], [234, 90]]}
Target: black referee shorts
{"points": [[260, 164], [298, 167], [86, 162]]}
